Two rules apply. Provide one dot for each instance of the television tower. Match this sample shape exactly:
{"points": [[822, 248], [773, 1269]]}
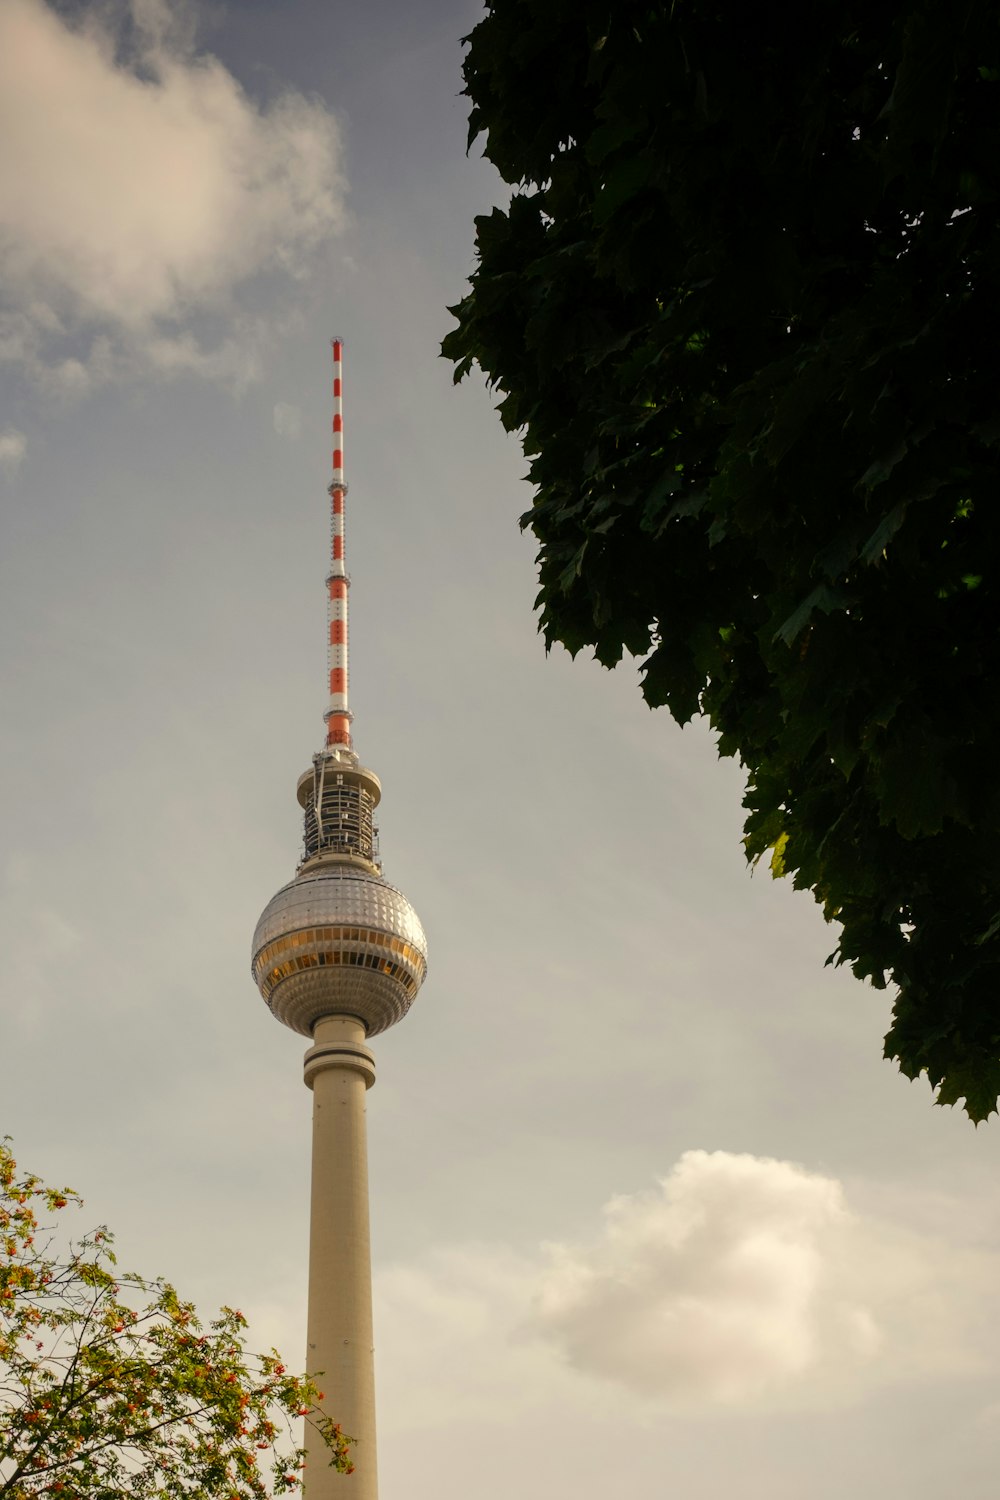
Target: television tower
{"points": [[339, 955]]}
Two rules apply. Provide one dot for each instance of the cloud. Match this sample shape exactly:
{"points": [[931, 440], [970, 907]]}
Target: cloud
{"points": [[741, 1278], [13, 447], [717, 1286], [287, 420], [140, 187], [738, 1283]]}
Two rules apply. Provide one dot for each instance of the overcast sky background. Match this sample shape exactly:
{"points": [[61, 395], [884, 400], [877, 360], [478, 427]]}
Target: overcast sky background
{"points": [[650, 1214]]}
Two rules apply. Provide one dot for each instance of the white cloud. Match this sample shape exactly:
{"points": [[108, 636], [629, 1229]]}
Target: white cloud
{"points": [[287, 420], [13, 447], [137, 191], [740, 1282], [721, 1285]]}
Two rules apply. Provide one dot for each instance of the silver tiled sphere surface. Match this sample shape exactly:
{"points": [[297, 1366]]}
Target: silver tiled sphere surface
{"points": [[338, 941]]}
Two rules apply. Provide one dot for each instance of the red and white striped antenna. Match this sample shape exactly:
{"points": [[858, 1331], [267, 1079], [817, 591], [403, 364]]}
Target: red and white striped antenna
{"points": [[338, 714]]}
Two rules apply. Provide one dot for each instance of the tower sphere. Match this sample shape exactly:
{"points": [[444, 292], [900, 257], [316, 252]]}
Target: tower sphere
{"points": [[339, 940]]}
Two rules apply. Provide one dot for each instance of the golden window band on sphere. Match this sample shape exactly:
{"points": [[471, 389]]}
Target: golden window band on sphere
{"points": [[277, 960]]}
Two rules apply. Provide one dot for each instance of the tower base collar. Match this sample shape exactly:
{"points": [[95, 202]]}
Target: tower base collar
{"points": [[337, 1047]]}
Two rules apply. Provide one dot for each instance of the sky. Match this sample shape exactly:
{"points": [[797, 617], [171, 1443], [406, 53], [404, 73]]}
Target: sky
{"points": [[650, 1213]]}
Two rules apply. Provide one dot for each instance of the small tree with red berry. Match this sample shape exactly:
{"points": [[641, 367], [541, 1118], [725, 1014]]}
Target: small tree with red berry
{"points": [[110, 1385]]}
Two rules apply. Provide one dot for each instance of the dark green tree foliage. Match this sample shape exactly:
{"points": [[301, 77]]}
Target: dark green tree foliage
{"points": [[744, 306]]}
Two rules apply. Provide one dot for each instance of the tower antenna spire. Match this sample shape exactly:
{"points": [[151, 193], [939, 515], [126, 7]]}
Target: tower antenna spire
{"points": [[338, 715]]}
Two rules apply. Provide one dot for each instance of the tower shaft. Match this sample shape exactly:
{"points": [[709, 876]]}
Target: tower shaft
{"points": [[339, 1069]]}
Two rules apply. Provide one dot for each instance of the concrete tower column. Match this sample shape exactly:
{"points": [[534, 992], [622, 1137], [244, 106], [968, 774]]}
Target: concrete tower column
{"points": [[339, 1069]]}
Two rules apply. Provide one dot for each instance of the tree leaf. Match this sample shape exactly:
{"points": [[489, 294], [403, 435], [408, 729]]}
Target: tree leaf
{"points": [[824, 598]]}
